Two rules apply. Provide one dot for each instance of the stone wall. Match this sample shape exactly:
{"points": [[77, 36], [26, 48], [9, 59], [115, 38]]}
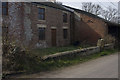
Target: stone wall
{"points": [[14, 23], [109, 46], [78, 52]]}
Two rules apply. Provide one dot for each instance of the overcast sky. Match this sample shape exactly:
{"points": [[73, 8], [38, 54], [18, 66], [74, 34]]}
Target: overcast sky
{"points": [[104, 3]]}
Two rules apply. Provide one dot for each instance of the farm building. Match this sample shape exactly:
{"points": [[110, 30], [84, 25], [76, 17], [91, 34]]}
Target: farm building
{"points": [[48, 24]]}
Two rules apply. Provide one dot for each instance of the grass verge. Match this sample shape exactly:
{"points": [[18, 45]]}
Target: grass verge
{"points": [[34, 65], [64, 62], [53, 50]]}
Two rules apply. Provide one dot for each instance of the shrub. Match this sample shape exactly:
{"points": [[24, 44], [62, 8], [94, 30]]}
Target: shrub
{"points": [[109, 39], [16, 58]]}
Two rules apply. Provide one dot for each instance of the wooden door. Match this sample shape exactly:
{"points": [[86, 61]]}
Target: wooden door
{"points": [[53, 37]]}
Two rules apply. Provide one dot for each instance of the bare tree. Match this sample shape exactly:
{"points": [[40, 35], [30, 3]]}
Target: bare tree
{"points": [[97, 9], [109, 14], [105, 14], [115, 19], [92, 8], [87, 6], [112, 13]]}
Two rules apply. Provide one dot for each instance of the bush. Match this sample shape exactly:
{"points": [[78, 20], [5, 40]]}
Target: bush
{"points": [[16, 58], [109, 39]]}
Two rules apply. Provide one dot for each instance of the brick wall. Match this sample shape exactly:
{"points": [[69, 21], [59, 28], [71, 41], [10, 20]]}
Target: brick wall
{"points": [[89, 29], [98, 25], [23, 25], [53, 19]]}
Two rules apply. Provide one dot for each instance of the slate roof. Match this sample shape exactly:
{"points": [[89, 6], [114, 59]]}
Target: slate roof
{"points": [[84, 12], [71, 9], [53, 5], [92, 15]]}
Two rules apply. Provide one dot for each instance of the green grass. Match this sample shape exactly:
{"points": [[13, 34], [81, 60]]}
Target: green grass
{"points": [[53, 50], [34, 64], [64, 62]]}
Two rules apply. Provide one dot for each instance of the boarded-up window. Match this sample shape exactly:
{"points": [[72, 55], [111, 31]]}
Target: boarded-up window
{"points": [[65, 17], [41, 13], [41, 33], [4, 8], [65, 33]]}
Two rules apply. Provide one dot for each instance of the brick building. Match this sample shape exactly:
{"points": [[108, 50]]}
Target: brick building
{"points": [[47, 24], [37, 24], [88, 28]]}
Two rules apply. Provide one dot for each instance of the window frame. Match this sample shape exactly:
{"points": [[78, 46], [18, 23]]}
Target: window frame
{"points": [[65, 34], [40, 13], [5, 7], [43, 33], [65, 17]]}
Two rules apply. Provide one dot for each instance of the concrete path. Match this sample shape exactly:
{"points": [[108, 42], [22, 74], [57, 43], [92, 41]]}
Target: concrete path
{"points": [[104, 67]]}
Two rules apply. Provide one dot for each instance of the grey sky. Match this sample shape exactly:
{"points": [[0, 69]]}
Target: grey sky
{"points": [[77, 3], [89, 0]]}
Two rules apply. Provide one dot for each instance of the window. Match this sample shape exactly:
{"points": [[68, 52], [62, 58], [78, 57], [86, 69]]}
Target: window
{"points": [[41, 33], [65, 33], [4, 8], [65, 17], [41, 13]]}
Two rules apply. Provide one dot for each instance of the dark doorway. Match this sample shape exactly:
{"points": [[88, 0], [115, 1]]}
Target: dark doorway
{"points": [[53, 37]]}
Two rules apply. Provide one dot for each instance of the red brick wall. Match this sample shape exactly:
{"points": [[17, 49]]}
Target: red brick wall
{"points": [[89, 29], [98, 25]]}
